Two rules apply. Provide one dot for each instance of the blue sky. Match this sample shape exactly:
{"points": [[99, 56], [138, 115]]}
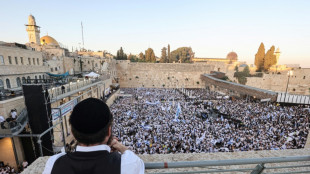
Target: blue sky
{"points": [[211, 28]]}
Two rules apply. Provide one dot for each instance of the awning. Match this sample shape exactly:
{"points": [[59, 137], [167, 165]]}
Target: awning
{"points": [[92, 74], [59, 75]]}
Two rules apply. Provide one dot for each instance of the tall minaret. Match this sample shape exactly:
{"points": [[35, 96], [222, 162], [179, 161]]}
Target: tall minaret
{"points": [[33, 30], [277, 53]]}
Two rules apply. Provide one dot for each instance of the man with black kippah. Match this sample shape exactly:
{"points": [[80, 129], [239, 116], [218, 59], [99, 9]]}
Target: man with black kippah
{"points": [[91, 125]]}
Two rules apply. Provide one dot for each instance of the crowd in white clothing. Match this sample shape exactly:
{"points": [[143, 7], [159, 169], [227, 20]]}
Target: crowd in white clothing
{"points": [[169, 121]]}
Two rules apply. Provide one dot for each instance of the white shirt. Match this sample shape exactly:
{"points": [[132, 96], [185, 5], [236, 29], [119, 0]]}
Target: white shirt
{"points": [[130, 162], [1, 119], [14, 114]]}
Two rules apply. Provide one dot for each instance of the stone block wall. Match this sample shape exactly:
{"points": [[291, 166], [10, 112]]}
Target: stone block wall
{"points": [[299, 82], [237, 88], [159, 75]]}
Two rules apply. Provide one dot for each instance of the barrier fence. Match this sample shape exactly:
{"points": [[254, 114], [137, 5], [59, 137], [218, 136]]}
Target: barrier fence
{"points": [[261, 165]]}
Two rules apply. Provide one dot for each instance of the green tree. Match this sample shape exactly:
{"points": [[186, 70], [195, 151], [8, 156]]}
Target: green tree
{"points": [[270, 59], [182, 54], [242, 80], [120, 55], [163, 58], [141, 56], [169, 54], [246, 71], [259, 57], [236, 68], [150, 55]]}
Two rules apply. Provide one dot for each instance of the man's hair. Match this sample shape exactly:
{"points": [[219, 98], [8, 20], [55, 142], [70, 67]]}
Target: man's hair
{"points": [[89, 139]]}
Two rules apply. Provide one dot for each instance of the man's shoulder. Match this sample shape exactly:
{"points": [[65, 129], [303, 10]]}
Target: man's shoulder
{"points": [[50, 162]]}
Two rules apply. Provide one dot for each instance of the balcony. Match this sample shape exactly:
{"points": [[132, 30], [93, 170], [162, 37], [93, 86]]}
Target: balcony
{"points": [[56, 93], [9, 128]]}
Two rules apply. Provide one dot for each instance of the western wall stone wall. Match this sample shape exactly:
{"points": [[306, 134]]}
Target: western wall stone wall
{"points": [[38, 166], [159, 75], [239, 89], [299, 82]]}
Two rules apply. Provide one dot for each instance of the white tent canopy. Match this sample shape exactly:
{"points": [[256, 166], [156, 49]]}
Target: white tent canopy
{"points": [[92, 74]]}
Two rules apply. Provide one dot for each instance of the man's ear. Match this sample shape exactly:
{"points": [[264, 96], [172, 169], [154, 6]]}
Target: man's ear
{"points": [[110, 131]]}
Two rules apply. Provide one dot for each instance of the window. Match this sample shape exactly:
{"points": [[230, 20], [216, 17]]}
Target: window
{"points": [[28, 79], [22, 60], [34, 61], [29, 61], [8, 84], [55, 68], [36, 79], [38, 61], [1, 60], [24, 80], [18, 82], [1, 84], [16, 61], [10, 60], [51, 69]]}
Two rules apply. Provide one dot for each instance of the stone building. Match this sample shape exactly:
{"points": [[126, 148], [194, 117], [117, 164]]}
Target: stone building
{"points": [[19, 63]]}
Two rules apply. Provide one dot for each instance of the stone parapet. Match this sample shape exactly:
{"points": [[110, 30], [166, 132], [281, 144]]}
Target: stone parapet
{"points": [[38, 166]]}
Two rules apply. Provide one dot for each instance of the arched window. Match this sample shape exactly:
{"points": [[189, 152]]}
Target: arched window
{"points": [[24, 80], [8, 84], [28, 79], [18, 82], [1, 60], [1, 84], [36, 79]]}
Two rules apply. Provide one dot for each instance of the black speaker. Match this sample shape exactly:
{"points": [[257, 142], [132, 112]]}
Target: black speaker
{"points": [[39, 114]]}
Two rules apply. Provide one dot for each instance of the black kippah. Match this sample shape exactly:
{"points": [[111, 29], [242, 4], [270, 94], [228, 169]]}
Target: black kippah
{"points": [[90, 116]]}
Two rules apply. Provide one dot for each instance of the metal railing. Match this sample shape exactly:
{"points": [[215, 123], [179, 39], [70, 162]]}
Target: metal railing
{"points": [[261, 165], [56, 91]]}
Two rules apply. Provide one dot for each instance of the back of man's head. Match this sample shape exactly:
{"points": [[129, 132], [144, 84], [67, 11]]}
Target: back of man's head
{"points": [[90, 121]]}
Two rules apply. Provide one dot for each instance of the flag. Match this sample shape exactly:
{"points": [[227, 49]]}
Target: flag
{"points": [[178, 111]]}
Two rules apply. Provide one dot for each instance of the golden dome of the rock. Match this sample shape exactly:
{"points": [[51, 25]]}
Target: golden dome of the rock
{"points": [[48, 40]]}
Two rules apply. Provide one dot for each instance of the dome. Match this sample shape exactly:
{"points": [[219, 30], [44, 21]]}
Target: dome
{"points": [[232, 56], [48, 40]]}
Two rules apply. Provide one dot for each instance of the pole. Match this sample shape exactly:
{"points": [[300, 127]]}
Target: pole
{"points": [[287, 86], [62, 129], [82, 34], [40, 147]]}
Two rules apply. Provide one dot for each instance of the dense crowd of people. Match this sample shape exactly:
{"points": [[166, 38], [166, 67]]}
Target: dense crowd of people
{"points": [[6, 169], [195, 120]]}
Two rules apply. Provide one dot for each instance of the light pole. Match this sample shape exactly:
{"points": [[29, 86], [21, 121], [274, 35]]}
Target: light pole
{"points": [[289, 73]]}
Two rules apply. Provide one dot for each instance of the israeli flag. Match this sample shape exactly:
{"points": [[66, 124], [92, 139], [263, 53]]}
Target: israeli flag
{"points": [[177, 114]]}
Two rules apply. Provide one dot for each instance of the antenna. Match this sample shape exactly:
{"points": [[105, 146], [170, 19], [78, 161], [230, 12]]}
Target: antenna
{"points": [[82, 34]]}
